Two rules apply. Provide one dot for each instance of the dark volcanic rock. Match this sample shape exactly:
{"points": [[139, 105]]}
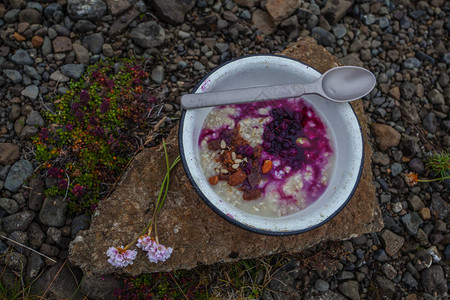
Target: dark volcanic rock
{"points": [[19, 172], [323, 37], [433, 280], [53, 212], [148, 35], [172, 11], [86, 9], [18, 221]]}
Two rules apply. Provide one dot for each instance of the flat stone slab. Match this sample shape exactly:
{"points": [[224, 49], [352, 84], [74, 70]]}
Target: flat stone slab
{"points": [[197, 234]]}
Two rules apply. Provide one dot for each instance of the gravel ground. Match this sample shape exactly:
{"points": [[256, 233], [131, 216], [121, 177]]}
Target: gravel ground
{"points": [[404, 43]]}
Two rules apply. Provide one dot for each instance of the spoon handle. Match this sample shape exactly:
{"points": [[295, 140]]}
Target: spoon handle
{"points": [[237, 96]]}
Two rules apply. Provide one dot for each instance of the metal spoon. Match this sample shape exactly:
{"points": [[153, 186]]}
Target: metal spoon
{"points": [[340, 84]]}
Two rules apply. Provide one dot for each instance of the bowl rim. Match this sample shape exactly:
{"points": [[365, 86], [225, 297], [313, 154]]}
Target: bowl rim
{"points": [[231, 219]]}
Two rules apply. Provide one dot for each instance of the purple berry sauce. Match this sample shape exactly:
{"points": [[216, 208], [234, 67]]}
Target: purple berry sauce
{"points": [[294, 139]]}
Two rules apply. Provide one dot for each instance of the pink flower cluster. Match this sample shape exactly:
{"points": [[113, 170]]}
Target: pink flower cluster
{"points": [[119, 257], [155, 252]]}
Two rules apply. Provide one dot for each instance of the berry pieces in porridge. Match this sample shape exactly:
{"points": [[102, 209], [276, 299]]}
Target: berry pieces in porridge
{"points": [[270, 158]]}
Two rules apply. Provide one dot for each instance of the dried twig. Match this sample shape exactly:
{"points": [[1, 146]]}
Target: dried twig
{"points": [[184, 295], [15, 242], [68, 185], [53, 280]]}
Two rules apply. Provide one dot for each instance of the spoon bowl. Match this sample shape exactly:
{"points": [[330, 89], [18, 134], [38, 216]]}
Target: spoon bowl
{"points": [[347, 83]]}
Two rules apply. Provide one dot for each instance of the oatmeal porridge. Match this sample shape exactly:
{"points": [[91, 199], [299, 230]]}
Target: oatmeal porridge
{"points": [[269, 158]]}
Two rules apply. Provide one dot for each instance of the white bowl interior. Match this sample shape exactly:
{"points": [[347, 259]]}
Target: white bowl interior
{"points": [[340, 118]]}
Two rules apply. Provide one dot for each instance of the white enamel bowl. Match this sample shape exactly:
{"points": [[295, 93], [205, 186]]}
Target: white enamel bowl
{"points": [[346, 136]]}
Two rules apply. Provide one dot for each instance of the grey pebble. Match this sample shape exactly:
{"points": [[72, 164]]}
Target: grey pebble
{"points": [[18, 221], [51, 9], [339, 31], [345, 275], [21, 57], [11, 16], [436, 97], [19, 172], [433, 280], [412, 222], [396, 169], [407, 90], [409, 280], [323, 37], [20, 237], [369, 19], [32, 72], [47, 46], [158, 74], [183, 35], [83, 26], [34, 118], [383, 22], [430, 122], [80, 222], [9, 205], [221, 47], [385, 198], [148, 35], [31, 92], [411, 63], [73, 71], [380, 255], [77, 9], [198, 66], [16, 261], [321, 285], [53, 212], [94, 42], [181, 65], [13, 75], [350, 289]]}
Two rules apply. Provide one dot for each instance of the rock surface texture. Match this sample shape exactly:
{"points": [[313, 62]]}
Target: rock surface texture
{"points": [[196, 233]]}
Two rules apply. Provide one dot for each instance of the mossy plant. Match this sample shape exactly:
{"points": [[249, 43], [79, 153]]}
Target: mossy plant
{"points": [[93, 132], [173, 285], [439, 164]]}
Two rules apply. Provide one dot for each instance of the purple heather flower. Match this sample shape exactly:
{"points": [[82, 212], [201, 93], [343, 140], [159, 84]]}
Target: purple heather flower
{"points": [[104, 106], [84, 96], [119, 257], [43, 134], [78, 190], [76, 106], [98, 131], [79, 114], [69, 127], [96, 74], [53, 172], [109, 83], [62, 184], [93, 121]]}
